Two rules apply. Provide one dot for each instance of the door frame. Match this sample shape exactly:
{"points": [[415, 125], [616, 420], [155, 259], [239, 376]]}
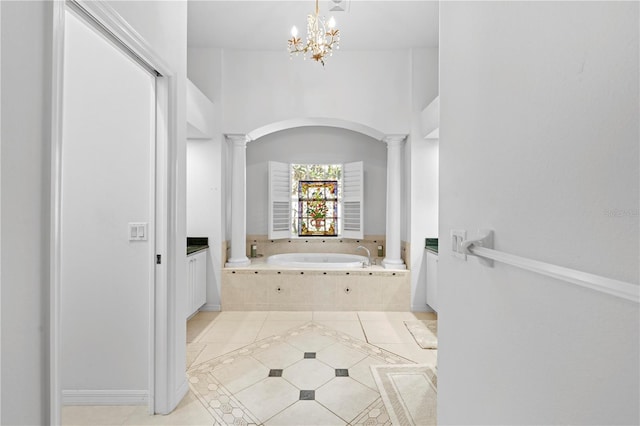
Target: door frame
{"points": [[100, 15]]}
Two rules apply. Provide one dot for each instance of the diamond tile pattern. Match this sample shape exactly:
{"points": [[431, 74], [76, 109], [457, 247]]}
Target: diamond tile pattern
{"points": [[271, 380], [308, 374], [243, 370]]}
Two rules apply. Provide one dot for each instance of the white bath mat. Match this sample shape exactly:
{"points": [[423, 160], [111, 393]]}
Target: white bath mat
{"points": [[424, 332], [409, 393]]}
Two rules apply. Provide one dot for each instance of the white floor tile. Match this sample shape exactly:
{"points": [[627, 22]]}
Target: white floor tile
{"points": [[386, 332], [205, 315], [193, 350], [279, 355], [340, 356], [242, 316], [309, 374], [240, 374], [412, 352], [290, 316], [426, 315], [362, 372], [275, 327], [345, 397], [389, 316], [335, 316], [352, 328], [214, 350], [222, 331], [268, 397], [311, 341], [196, 328], [305, 413]]}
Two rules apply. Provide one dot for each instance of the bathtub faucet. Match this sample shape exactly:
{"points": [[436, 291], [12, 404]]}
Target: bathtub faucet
{"points": [[368, 256]]}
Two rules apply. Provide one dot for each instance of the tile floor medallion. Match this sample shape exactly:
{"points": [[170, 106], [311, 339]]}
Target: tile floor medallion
{"points": [[310, 374]]}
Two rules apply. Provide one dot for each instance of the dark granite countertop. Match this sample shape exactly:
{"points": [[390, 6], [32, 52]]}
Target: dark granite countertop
{"points": [[431, 244], [195, 249], [196, 244]]}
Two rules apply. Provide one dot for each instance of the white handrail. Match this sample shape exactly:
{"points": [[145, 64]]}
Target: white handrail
{"points": [[483, 248]]}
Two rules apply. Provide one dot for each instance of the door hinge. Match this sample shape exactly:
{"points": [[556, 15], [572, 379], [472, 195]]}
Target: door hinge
{"points": [[158, 259]]}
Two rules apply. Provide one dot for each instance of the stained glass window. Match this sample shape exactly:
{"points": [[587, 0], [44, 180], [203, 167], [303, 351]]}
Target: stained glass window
{"points": [[318, 208]]}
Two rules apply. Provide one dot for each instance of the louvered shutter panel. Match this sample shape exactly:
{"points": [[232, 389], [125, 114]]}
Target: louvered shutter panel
{"points": [[279, 200], [353, 200]]}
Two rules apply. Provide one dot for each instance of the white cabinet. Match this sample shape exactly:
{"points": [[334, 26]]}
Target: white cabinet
{"points": [[196, 281], [432, 280]]}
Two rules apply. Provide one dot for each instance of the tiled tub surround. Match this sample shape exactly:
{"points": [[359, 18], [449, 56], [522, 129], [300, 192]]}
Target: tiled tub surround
{"points": [[262, 287], [267, 247]]}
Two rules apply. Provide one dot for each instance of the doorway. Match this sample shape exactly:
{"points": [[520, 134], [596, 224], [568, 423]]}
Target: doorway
{"points": [[110, 315], [107, 220]]}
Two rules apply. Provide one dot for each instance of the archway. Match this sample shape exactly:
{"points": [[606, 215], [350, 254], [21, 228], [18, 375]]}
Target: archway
{"points": [[238, 183]]}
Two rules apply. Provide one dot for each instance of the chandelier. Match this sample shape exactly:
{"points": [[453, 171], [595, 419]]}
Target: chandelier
{"points": [[321, 38]]}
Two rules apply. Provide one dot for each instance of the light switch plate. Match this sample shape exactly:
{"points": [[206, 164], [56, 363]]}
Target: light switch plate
{"points": [[457, 237], [137, 231]]}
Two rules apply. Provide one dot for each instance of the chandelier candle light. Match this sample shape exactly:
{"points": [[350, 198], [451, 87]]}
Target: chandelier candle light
{"points": [[321, 39]]}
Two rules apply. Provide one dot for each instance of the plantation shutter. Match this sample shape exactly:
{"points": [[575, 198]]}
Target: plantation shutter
{"points": [[279, 201], [353, 200]]}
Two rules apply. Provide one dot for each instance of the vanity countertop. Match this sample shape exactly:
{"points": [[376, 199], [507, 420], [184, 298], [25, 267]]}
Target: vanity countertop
{"points": [[196, 248], [431, 244], [196, 244]]}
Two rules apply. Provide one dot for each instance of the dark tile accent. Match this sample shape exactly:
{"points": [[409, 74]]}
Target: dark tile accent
{"points": [[309, 355], [342, 372], [275, 373], [307, 395]]}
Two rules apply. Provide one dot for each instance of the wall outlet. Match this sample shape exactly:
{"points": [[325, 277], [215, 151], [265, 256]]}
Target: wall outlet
{"points": [[457, 237]]}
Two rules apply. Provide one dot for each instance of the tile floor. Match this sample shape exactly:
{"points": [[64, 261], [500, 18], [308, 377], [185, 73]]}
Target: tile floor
{"points": [[280, 368]]}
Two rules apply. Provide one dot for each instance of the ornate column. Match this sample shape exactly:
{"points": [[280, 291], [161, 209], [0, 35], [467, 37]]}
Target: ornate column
{"points": [[238, 201], [394, 143]]}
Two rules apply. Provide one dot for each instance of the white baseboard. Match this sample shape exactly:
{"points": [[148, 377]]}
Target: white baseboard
{"points": [[105, 397], [208, 307]]}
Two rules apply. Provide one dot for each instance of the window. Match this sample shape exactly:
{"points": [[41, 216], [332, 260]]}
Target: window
{"points": [[315, 200], [316, 194]]}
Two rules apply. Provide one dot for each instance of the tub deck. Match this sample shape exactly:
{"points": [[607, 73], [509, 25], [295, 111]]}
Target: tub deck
{"points": [[265, 287]]}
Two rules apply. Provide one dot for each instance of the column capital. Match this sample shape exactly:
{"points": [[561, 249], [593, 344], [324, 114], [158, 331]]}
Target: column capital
{"points": [[238, 139], [394, 140]]}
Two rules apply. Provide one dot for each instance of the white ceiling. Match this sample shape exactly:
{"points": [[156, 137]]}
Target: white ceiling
{"points": [[265, 24]]}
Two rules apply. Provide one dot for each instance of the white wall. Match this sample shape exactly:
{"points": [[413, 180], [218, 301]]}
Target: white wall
{"points": [[422, 171], [367, 87], [107, 182], [206, 171], [317, 145], [204, 213], [205, 71], [539, 141], [26, 74], [25, 98]]}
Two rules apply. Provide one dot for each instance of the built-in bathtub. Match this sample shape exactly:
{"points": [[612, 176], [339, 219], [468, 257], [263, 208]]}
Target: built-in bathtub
{"points": [[318, 260], [314, 282]]}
